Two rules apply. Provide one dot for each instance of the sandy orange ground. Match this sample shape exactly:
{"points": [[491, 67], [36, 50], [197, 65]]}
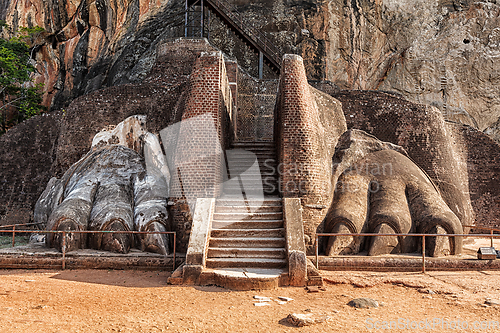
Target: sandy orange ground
{"points": [[135, 301]]}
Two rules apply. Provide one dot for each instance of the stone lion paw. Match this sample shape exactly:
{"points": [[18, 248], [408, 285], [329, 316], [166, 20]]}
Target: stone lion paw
{"points": [[380, 190], [120, 185]]}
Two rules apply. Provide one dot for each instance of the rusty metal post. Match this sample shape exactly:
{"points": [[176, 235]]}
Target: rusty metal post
{"points": [[175, 241], [261, 65], [186, 20], [64, 250], [491, 232], [316, 249], [423, 254], [13, 236]]}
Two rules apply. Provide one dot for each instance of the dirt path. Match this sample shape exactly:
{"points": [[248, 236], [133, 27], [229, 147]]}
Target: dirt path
{"points": [[134, 301]]}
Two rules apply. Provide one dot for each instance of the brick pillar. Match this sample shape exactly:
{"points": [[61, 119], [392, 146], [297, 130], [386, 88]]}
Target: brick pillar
{"points": [[304, 157], [304, 170], [198, 158]]}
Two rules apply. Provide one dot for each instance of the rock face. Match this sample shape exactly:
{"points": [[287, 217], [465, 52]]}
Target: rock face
{"points": [[459, 160], [444, 53], [27, 154]]}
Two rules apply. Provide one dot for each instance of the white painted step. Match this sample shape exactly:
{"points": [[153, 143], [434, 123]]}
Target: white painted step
{"points": [[248, 216], [245, 262], [247, 224], [247, 209], [233, 252], [278, 232], [251, 242]]}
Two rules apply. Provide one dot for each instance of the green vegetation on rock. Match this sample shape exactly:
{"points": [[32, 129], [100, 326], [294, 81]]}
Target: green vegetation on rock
{"points": [[20, 97]]}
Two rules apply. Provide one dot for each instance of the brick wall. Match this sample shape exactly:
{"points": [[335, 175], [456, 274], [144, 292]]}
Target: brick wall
{"points": [[483, 167], [308, 125], [257, 99], [202, 136]]}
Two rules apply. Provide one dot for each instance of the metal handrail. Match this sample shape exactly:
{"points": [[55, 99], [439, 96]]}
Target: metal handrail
{"points": [[20, 225], [258, 37], [399, 235], [64, 234]]}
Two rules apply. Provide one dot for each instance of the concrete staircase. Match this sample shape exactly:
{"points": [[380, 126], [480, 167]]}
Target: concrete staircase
{"points": [[240, 241], [240, 161], [247, 234]]}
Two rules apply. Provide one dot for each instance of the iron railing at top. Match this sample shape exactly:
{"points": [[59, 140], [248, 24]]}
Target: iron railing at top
{"points": [[316, 247], [267, 47]]}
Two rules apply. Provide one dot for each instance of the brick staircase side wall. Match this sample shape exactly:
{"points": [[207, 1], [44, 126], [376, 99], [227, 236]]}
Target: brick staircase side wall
{"points": [[306, 143], [203, 135]]}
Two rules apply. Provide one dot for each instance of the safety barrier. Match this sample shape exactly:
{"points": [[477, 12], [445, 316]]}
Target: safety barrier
{"points": [[65, 233], [399, 235]]}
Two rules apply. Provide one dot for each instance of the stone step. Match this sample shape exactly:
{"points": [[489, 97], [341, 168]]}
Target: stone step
{"points": [[253, 192], [235, 233], [261, 172], [246, 171], [252, 176], [235, 188], [239, 154], [250, 159], [233, 252], [248, 166], [245, 144], [247, 278], [254, 242], [255, 150], [248, 216], [245, 262], [247, 224], [236, 201], [248, 162], [249, 184], [247, 209]]}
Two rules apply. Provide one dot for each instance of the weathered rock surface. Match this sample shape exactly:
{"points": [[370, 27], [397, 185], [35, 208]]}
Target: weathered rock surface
{"points": [[307, 319], [363, 303], [26, 157], [47, 145], [380, 190], [444, 53]]}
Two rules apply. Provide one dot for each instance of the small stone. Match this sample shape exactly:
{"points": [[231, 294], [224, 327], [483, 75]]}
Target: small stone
{"points": [[492, 302], [313, 289], [286, 299], [363, 303], [262, 298], [29, 281], [281, 302], [426, 291], [301, 319], [261, 304]]}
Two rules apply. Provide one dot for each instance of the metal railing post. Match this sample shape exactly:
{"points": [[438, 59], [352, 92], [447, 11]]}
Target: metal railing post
{"points": [[423, 254], [261, 65], [13, 236], [317, 252], [491, 233], [64, 250], [175, 242]]}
